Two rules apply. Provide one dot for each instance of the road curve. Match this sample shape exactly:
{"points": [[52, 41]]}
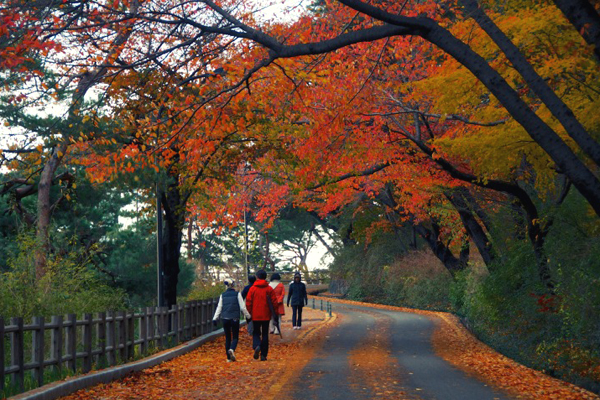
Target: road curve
{"points": [[381, 354]]}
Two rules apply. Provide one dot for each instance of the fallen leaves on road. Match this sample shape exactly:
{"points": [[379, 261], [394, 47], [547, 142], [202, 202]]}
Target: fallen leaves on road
{"points": [[373, 368], [205, 374], [453, 342]]}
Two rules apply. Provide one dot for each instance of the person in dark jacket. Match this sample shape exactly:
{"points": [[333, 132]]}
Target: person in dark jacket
{"points": [[298, 297], [231, 304], [251, 280], [260, 301]]}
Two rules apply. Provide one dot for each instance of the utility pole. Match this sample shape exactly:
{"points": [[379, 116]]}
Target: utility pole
{"points": [[159, 251], [246, 242]]}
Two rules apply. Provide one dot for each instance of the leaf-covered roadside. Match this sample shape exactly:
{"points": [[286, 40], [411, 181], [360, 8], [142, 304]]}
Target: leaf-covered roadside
{"points": [[205, 373], [455, 344]]}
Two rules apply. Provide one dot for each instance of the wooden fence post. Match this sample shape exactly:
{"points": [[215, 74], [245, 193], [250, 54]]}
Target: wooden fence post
{"points": [[72, 341], [164, 316], [130, 334], [201, 314], [87, 343], [112, 337], [101, 336], [181, 314], [143, 332], [122, 336], [192, 312], [158, 326], [188, 320], [56, 345], [37, 350], [16, 354], [151, 328], [175, 322], [1, 354]]}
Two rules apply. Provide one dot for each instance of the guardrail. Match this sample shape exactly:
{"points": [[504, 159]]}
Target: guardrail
{"points": [[327, 306], [67, 346]]}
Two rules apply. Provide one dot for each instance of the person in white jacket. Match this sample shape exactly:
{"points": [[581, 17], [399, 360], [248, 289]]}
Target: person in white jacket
{"points": [[231, 305]]}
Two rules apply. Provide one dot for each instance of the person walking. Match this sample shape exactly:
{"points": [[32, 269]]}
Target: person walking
{"points": [[280, 293], [260, 300], [231, 304], [298, 297], [251, 280]]}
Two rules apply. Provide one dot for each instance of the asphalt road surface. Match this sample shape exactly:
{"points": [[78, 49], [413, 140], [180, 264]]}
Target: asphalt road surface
{"points": [[380, 354]]}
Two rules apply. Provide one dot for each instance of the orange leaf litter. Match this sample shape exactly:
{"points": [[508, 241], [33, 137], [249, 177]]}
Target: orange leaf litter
{"points": [[205, 374]]}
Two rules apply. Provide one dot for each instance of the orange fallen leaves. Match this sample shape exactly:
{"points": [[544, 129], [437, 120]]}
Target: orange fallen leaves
{"points": [[455, 344], [372, 365], [205, 373]]}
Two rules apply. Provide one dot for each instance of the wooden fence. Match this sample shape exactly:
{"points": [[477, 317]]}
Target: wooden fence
{"points": [[66, 346]]}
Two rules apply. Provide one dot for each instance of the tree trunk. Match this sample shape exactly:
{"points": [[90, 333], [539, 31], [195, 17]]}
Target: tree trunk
{"points": [[44, 211], [568, 162], [174, 207], [556, 106], [473, 228], [441, 251], [584, 17]]}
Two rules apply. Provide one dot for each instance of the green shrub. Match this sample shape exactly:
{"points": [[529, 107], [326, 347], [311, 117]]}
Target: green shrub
{"points": [[70, 285]]}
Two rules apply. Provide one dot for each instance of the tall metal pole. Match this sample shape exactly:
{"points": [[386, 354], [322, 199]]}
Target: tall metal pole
{"points": [[159, 251], [246, 242]]}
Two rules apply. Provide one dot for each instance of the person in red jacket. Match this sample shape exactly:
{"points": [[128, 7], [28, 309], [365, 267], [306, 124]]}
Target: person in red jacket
{"points": [[261, 303]]}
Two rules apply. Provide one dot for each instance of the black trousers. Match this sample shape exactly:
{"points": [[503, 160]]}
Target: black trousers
{"points": [[297, 312], [260, 336], [231, 328]]}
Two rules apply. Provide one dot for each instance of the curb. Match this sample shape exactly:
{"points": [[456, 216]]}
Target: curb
{"points": [[55, 390]]}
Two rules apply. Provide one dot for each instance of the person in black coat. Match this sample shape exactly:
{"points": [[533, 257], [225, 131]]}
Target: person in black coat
{"points": [[298, 298], [251, 280]]}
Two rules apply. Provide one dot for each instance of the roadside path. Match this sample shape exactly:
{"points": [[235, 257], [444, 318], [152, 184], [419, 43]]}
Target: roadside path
{"points": [[384, 354], [363, 352]]}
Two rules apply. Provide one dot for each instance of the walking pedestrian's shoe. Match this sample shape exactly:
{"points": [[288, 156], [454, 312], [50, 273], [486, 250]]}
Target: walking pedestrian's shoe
{"points": [[256, 352], [263, 358], [231, 354]]}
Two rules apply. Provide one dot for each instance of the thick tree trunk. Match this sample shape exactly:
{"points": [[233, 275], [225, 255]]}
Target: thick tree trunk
{"points": [[44, 210], [172, 238], [583, 179], [473, 228], [441, 251], [556, 106], [584, 17]]}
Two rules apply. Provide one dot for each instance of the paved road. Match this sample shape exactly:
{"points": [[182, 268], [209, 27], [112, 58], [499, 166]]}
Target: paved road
{"points": [[379, 354]]}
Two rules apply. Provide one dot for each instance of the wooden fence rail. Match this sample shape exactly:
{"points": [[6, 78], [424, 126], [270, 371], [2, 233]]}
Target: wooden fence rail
{"points": [[66, 344]]}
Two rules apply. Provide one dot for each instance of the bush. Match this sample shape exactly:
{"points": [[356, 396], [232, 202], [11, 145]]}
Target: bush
{"points": [[204, 290], [69, 286], [419, 280]]}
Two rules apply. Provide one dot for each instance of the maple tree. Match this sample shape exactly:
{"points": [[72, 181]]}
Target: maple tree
{"points": [[429, 29]]}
